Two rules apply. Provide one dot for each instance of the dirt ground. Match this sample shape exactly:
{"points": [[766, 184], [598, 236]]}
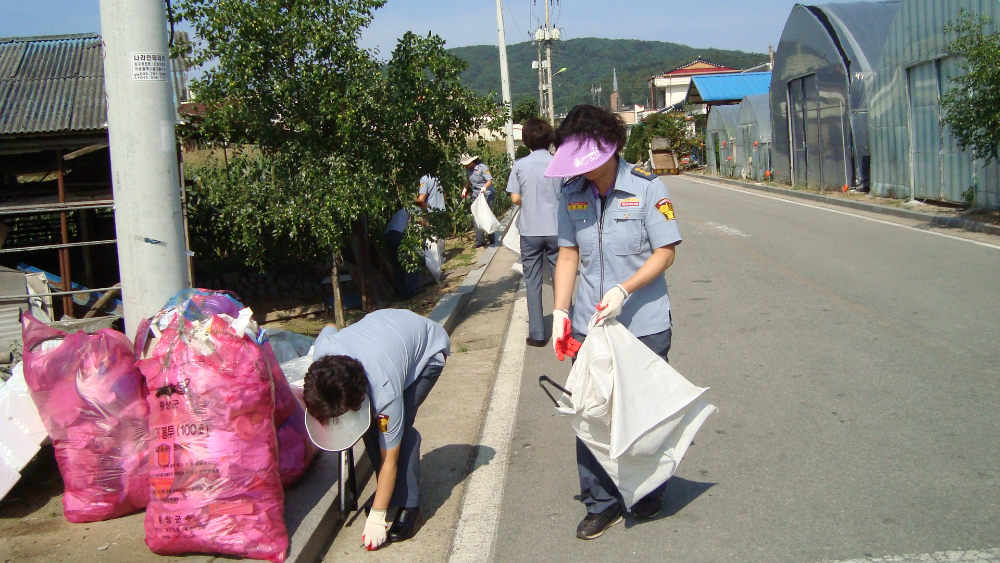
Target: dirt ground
{"points": [[32, 527]]}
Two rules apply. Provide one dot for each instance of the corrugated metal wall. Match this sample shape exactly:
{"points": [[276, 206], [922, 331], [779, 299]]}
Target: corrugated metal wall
{"points": [[912, 155]]}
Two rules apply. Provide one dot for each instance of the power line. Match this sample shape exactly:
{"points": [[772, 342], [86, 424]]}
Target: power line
{"points": [[513, 18]]}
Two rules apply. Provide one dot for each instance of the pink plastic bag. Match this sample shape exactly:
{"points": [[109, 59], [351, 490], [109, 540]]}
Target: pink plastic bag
{"points": [[215, 486], [92, 400], [295, 450]]}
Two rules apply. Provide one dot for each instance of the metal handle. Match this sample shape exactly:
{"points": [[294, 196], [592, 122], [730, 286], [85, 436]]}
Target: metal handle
{"points": [[544, 379], [348, 483]]}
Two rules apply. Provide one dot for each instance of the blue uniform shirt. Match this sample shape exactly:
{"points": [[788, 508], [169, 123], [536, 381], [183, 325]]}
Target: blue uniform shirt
{"points": [[639, 218], [478, 176], [539, 216], [394, 346], [435, 195]]}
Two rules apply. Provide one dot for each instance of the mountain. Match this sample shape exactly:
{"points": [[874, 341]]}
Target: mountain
{"points": [[589, 61]]}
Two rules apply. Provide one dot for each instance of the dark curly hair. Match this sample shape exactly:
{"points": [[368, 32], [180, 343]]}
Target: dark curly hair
{"points": [[334, 385], [537, 133], [594, 123]]}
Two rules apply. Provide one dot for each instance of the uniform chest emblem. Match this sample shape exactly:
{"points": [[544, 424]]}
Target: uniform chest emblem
{"points": [[629, 202], [666, 208], [383, 423], [578, 205]]}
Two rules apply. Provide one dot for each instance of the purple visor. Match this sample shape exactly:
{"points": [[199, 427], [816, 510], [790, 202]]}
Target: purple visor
{"points": [[578, 155]]}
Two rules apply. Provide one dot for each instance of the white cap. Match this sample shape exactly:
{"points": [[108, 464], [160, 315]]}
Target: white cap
{"points": [[341, 432]]}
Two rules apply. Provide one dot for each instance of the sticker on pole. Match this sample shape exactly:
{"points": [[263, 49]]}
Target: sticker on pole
{"points": [[149, 67]]}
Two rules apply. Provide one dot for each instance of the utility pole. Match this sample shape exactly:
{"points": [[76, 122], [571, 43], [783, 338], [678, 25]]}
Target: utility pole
{"points": [[505, 83], [152, 256], [541, 80], [548, 63]]}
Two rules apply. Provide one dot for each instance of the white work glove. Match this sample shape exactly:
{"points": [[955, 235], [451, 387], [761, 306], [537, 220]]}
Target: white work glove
{"points": [[562, 335], [611, 305], [375, 530]]}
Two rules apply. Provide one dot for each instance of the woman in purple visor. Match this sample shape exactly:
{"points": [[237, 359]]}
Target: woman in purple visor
{"points": [[617, 228]]}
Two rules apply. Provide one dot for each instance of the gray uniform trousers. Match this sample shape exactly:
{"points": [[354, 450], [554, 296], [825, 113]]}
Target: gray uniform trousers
{"points": [[597, 490], [538, 256], [406, 492]]}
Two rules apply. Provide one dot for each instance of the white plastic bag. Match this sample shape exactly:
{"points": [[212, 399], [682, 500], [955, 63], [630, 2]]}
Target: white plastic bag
{"points": [[483, 215], [434, 257], [512, 237], [634, 412]]}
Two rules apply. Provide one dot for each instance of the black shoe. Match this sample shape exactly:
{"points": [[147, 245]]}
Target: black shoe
{"points": [[593, 525], [647, 508], [535, 343], [405, 525]]}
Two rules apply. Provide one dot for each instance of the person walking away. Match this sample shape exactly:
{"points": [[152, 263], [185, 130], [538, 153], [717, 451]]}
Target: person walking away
{"points": [[479, 180], [538, 197], [369, 380], [617, 227], [405, 284]]}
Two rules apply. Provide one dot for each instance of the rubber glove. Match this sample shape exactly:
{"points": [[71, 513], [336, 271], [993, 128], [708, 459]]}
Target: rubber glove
{"points": [[611, 305], [562, 335], [375, 530]]}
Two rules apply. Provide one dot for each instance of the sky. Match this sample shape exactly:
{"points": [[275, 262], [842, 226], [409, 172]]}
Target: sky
{"points": [[747, 25]]}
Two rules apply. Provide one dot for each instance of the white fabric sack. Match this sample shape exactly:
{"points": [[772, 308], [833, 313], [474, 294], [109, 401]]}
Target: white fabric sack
{"points": [[518, 267], [634, 412], [512, 237], [483, 215], [434, 257]]}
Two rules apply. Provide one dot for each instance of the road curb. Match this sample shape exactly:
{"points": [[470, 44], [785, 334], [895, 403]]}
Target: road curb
{"points": [[930, 218], [449, 308]]}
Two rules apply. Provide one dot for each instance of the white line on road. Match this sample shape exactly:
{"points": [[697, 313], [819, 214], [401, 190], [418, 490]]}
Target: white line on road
{"points": [[480, 512], [982, 556], [849, 214], [726, 229]]}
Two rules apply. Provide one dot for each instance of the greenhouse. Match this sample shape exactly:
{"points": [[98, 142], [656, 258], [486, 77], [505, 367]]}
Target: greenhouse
{"points": [[913, 156], [819, 92], [753, 138], [720, 139]]}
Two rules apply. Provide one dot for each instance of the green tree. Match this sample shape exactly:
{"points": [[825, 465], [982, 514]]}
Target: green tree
{"points": [[972, 107], [343, 138], [525, 109], [671, 126]]}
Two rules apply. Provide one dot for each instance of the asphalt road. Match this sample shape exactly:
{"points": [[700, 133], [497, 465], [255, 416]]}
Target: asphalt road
{"points": [[855, 367]]}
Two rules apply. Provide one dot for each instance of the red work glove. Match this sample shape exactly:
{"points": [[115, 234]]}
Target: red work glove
{"points": [[562, 335]]}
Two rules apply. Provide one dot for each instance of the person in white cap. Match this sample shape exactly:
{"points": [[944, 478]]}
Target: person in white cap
{"points": [[617, 228], [479, 180], [368, 380]]}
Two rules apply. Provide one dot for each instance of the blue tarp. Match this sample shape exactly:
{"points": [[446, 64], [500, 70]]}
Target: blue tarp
{"points": [[724, 87]]}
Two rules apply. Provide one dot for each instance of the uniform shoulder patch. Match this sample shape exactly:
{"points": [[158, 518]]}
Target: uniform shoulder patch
{"points": [[643, 173], [666, 208], [383, 423]]}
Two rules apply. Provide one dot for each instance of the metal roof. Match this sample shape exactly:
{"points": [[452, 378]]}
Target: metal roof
{"points": [[723, 87], [52, 84]]}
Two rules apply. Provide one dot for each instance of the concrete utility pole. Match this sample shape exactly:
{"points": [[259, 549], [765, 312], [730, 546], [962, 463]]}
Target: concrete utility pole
{"points": [[152, 256], [541, 80], [505, 83], [548, 62]]}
